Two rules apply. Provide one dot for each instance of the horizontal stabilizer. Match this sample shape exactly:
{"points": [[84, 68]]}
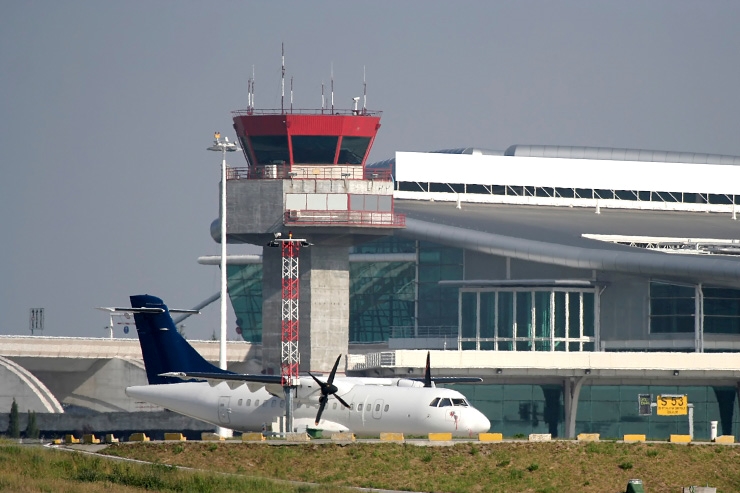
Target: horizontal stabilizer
{"points": [[231, 377]]}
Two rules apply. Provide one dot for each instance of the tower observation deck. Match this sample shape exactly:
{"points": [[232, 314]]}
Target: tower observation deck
{"points": [[305, 173]]}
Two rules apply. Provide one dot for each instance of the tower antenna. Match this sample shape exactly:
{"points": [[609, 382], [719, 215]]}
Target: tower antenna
{"points": [[322, 97], [332, 88], [251, 98], [364, 92], [282, 81], [291, 94]]}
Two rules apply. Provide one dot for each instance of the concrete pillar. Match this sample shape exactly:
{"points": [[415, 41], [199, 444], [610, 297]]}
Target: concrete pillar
{"points": [[571, 392], [323, 311]]}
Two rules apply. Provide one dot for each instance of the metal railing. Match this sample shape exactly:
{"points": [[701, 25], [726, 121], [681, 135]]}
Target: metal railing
{"points": [[424, 331], [306, 172], [344, 218], [319, 111]]}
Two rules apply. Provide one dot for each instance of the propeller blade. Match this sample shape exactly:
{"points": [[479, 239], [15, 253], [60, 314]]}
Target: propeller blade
{"points": [[322, 404], [321, 384], [428, 372], [341, 400], [334, 370]]}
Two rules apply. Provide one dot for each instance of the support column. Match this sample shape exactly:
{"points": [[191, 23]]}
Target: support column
{"points": [[324, 307], [571, 392]]}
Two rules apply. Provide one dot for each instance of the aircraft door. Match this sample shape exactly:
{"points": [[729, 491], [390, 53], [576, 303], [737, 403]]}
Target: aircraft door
{"points": [[378, 408], [223, 409]]}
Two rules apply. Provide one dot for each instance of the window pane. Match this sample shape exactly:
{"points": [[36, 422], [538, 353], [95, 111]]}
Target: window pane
{"points": [[671, 325], [559, 314], [588, 314], [319, 149], [542, 313], [574, 315], [270, 149], [524, 314], [468, 310], [487, 314], [353, 149], [505, 315]]}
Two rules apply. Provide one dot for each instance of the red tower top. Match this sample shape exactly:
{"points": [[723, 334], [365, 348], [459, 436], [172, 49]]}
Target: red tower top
{"points": [[307, 143]]}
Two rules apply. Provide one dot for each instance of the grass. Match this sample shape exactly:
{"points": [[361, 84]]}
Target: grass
{"points": [[601, 467], [25, 468], [545, 467]]}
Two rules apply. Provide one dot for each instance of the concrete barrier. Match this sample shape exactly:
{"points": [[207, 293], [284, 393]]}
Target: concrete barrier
{"points": [[175, 436], [680, 439], [490, 437], [109, 438], [440, 437], [540, 437], [90, 439], [210, 436], [252, 437], [343, 437], [138, 437], [391, 437], [297, 437], [71, 439], [588, 437], [725, 439], [634, 438]]}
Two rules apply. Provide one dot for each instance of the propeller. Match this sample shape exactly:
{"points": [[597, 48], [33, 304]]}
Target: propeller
{"points": [[428, 373], [328, 388]]}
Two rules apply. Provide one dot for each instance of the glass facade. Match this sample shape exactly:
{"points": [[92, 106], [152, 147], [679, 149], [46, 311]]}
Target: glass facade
{"points": [[540, 319], [673, 309], [268, 149], [244, 283], [611, 411]]}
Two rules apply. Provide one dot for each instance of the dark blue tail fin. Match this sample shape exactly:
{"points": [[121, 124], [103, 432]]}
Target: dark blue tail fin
{"points": [[162, 346]]}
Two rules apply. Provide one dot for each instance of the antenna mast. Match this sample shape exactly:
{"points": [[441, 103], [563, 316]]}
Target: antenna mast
{"points": [[322, 97], [291, 94], [332, 88], [282, 81], [364, 92]]}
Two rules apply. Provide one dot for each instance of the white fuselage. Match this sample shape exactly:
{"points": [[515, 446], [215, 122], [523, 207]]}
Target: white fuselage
{"points": [[374, 408]]}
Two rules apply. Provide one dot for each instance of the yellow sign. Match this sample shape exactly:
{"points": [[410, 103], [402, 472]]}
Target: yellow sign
{"points": [[672, 405]]}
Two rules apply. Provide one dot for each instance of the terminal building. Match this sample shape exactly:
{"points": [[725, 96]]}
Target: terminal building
{"points": [[575, 281]]}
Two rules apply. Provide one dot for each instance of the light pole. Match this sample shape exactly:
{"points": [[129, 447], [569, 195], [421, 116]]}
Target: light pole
{"points": [[223, 146]]}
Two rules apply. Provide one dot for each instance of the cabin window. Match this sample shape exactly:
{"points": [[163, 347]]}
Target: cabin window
{"points": [[369, 408], [334, 406], [359, 407], [459, 402], [256, 403], [434, 402], [282, 404], [249, 402], [385, 409], [274, 403], [240, 402], [377, 407], [445, 402]]}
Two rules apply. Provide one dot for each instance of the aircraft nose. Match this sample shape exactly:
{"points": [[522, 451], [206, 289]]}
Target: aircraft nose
{"points": [[480, 423]]}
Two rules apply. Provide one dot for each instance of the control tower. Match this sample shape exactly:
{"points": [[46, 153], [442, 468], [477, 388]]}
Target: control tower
{"points": [[306, 174]]}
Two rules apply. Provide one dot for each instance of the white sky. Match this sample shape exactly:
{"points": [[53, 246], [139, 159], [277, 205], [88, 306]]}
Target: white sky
{"points": [[106, 109]]}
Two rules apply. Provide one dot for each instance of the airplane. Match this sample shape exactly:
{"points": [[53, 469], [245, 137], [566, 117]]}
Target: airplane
{"points": [[181, 380]]}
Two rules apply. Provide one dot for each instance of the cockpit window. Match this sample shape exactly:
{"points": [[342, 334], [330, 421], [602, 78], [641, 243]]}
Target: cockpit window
{"points": [[460, 402], [434, 402], [445, 402]]}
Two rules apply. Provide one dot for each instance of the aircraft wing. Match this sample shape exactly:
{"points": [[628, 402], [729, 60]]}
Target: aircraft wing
{"points": [[445, 380]]}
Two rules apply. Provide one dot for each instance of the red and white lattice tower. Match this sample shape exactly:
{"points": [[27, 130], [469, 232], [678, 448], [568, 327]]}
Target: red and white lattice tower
{"points": [[289, 355]]}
